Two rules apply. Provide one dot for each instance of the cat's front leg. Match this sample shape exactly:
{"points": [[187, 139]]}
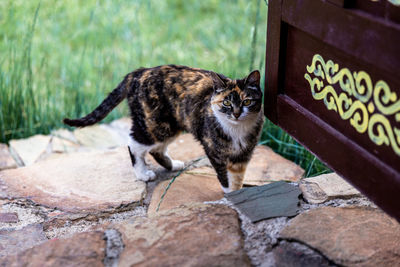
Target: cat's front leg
{"points": [[220, 167], [235, 175]]}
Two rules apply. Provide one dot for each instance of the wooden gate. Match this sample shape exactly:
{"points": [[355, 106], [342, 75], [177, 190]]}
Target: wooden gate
{"points": [[333, 83]]}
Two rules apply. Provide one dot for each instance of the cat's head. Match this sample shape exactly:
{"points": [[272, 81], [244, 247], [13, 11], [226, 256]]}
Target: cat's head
{"points": [[237, 100]]}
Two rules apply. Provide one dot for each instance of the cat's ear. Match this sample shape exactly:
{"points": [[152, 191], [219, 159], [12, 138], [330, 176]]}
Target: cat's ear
{"points": [[219, 81], [253, 79]]}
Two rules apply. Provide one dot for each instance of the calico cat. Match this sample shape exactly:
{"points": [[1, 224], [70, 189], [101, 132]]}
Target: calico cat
{"points": [[225, 115]]}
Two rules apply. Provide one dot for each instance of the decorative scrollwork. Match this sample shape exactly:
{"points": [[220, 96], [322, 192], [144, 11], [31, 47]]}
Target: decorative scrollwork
{"points": [[363, 104]]}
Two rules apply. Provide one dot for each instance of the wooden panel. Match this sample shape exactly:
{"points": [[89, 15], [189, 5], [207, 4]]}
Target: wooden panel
{"points": [[372, 177], [332, 81]]}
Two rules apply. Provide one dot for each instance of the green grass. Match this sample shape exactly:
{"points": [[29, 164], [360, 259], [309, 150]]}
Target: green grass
{"points": [[60, 58]]}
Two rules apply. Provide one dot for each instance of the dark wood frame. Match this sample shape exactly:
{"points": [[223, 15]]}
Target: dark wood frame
{"points": [[328, 22]]}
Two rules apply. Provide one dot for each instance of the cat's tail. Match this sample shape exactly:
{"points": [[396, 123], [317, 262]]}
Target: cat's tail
{"points": [[108, 104]]}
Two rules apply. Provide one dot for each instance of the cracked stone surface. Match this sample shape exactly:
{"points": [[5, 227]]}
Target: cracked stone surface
{"points": [[325, 187], [28, 151], [352, 236], [83, 249], [6, 160], [196, 235], [196, 185], [78, 182]]}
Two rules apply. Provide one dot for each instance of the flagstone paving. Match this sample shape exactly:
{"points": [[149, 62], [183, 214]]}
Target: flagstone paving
{"points": [[75, 201]]}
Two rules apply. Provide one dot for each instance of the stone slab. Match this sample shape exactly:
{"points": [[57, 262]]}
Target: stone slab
{"points": [[28, 151], [196, 235], [78, 182], [355, 236], [64, 134], [14, 241], [83, 249], [326, 187], [8, 217], [99, 137], [266, 167], [278, 199], [196, 185], [185, 148], [60, 145], [6, 160], [123, 124]]}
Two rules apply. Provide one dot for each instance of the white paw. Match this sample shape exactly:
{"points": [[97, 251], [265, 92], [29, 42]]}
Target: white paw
{"points": [[146, 175], [226, 189], [177, 165]]}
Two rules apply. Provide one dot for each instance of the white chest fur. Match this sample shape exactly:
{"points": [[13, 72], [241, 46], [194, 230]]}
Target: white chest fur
{"points": [[237, 130]]}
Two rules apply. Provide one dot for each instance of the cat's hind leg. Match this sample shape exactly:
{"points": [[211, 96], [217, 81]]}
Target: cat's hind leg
{"points": [[160, 154], [137, 152]]}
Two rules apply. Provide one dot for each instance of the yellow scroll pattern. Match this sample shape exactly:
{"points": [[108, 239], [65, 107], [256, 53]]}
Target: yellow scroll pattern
{"points": [[366, 106]]}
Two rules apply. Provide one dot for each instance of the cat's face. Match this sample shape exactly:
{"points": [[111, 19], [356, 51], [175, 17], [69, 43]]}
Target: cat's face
{"points": [[239, 100]]}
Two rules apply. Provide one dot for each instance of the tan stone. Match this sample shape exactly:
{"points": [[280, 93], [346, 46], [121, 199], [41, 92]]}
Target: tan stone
{"points": [[83, 249], [197, 235], [123, 124], [28, 151], [12, 242], [197, 185], [84, 181], [60, 145], [349, 236], [64, 134], [6, 161], [325, 187], [100, 137], [266, 167]]}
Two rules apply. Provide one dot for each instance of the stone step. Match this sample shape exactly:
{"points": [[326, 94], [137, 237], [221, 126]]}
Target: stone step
{"points": [[325, 187], [355, 236], [77, 182], [196, 185]]}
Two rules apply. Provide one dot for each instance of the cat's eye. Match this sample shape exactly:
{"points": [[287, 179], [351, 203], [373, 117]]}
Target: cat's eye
{"points": [[246, 102], [226, 103]]}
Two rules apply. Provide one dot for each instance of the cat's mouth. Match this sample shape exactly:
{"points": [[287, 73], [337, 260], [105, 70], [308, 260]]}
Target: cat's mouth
{"points": [[235, 120]]}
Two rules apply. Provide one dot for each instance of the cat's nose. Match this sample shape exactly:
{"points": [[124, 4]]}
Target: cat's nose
{"points": [[237, 115]]}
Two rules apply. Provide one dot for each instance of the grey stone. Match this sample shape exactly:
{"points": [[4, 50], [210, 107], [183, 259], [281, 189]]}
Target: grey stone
{"points": [[114, 247], [326, 187], [268, 201]]}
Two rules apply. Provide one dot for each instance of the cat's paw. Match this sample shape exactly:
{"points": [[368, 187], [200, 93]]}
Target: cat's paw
{"points": [[146, 176], [177, 165], [226, 189]]}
